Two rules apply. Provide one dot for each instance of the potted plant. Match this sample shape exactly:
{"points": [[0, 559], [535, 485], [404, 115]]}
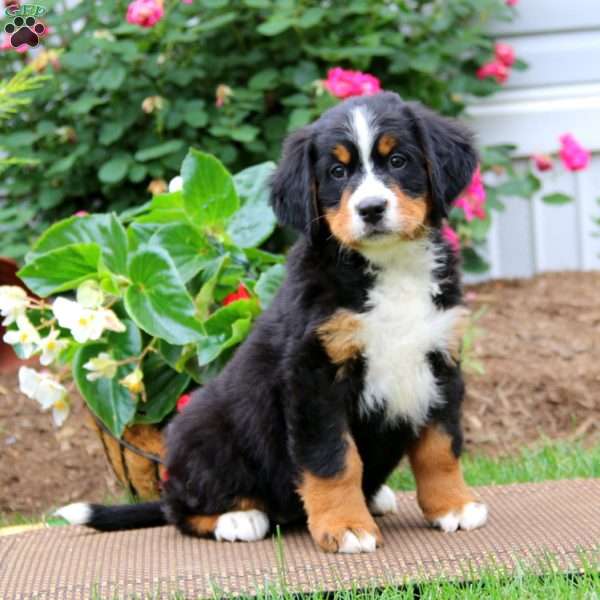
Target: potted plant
{"points": [[134, 309]]}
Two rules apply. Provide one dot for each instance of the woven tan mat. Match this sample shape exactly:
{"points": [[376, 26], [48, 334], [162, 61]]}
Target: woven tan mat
{"points": [[527, 524]]}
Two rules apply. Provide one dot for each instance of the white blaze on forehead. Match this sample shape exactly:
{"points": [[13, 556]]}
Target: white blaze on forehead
{"points": [[364, 134]]}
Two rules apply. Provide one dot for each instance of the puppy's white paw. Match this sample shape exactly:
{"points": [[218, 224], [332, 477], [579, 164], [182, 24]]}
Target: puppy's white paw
{"points": [[353, 543], [471, 516], [242, 525], [383, 502]]}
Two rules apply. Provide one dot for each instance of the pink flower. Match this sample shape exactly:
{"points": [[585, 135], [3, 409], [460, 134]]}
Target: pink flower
{"points": [[495, 69], [543, 162], [512, 2], [145, 13], [451, 237], [187, 1], [81, 213], [472, 201], [505, 53], [573, 155], [6, 45], [343, 84]]}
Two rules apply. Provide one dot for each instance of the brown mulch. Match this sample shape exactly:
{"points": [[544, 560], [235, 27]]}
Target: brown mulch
{"points": [[539, 344]]}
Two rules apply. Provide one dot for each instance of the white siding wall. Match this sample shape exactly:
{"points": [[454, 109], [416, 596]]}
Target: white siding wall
{"points": [[560, 92]]}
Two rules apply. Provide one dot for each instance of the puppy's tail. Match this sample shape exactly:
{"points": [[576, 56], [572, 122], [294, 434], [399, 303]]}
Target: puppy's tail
{"points": [[113, 518]]}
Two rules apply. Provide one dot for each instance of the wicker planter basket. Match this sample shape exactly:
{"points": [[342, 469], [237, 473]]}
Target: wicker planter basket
{"points": [[136, 459]]}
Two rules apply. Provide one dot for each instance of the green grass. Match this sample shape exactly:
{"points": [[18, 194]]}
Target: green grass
{"points": [[550, 460]]}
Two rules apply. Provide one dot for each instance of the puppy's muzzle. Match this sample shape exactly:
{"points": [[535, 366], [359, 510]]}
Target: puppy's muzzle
{"points": [[372, 210]]}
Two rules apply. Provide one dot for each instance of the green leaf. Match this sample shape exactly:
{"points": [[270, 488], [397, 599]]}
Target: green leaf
{"points": [[205, 297], [114, 170], [104, 229], [110, 132], [275, 25], [61, 269], [84, 104], [158, 151], [194, 114], [557, 198], [190, 251], [255, 221], [112, 403], [473, 262], [264, 80], [269, 283], [209, 194], [163, 388], [157, 299], [524, 187], [244, 133], [164, 208]]}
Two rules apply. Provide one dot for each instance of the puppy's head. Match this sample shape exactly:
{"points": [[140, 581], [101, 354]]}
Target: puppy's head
{"points": [[372, 171]]}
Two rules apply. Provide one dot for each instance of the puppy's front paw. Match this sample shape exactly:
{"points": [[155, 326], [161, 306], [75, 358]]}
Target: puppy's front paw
{"points": [[348, 538], [242, 526], [383, 502], [471, 516]]}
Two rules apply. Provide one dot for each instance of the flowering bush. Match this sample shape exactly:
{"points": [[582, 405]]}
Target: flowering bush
{"points": [[138, 82], [162, 295]]}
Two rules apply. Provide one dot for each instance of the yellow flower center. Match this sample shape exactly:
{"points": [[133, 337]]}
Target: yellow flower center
{"points": [[60, 405]]}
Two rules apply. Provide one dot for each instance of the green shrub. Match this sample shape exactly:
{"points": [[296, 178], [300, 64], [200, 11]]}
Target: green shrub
{"points": [[126, 102]]}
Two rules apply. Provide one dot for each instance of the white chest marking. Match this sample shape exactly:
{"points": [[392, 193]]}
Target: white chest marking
{"points": [[401, 326]]}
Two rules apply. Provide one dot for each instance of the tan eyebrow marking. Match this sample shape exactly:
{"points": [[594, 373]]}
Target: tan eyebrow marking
{"points": [[342, 154], [385, 144]]}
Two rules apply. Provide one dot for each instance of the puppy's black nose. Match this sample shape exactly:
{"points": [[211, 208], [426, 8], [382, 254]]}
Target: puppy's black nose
{"points": [[371, 210]]}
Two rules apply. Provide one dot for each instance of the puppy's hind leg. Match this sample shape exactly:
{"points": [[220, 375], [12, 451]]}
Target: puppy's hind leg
{"points": [[248, 524]]}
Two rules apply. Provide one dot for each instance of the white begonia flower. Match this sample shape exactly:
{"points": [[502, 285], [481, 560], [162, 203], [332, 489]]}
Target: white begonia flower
{"points": [[89, 294], [13, 302], [51, 347], [134, 382], [45, 390], [84, 323], [111, 321], [176, 184], [102, 365], [26, 336]]}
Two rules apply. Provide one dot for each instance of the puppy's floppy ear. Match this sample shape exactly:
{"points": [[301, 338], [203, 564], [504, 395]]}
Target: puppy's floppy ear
{"points": [[293, 187], [449, 155]]}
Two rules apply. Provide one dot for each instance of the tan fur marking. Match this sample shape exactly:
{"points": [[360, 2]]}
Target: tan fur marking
{"points": [[340, 220], [412, 213], [203, 525], [342, 154], [386, 144], [441, 487], [339, 336], [335, 505]]}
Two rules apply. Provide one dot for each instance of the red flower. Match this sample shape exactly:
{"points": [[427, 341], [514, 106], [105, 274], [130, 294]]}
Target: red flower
{"points": [[543, 162], [451, 237], [165, 475], [505, 53], [182, 402], [240, 294], [495, 69]]}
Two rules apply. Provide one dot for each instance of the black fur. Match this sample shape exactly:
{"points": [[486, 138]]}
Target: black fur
{"points": [[278, 407], [118, 518]]}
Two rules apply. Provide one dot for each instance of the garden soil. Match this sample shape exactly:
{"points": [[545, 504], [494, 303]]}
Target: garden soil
{"points": [[538, 341]]}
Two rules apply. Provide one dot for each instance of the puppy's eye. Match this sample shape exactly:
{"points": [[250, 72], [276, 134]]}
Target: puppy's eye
{"points": [[338, 171], [397, 161]]}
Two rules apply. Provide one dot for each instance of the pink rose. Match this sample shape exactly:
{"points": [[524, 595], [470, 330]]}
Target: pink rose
{"points": [[505, 53], [145, 13], [543, 162], [512, 2], [573, 155], [451, 237], [472, 201], [495, 69], [342, 83]]}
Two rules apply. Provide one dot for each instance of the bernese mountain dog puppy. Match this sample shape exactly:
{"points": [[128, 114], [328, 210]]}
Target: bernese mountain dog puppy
{"points": [[354, 363]]}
